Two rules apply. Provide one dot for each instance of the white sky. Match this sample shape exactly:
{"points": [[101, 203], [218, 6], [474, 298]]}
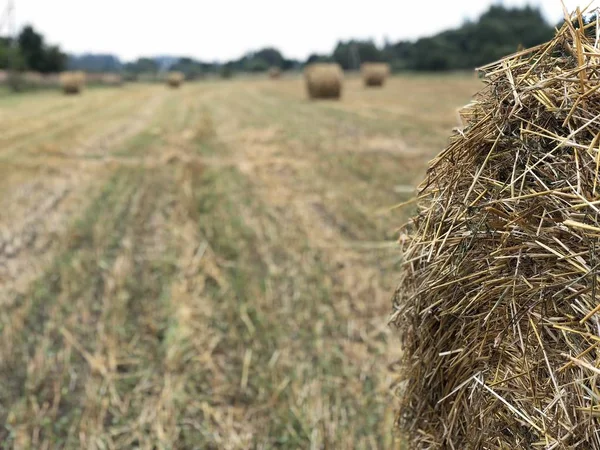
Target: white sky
{"points": [[225, 29]]}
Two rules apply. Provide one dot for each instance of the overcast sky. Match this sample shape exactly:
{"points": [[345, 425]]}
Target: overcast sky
{"points": [[226, 29]]}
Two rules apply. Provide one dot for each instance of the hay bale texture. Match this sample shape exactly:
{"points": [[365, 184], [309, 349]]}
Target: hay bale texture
{"points": [[175, 79], [324, 80], [374, 74], [499, 298], [72, 82]]}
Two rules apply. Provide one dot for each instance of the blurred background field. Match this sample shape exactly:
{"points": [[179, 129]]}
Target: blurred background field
{"points": [[207, 267]]}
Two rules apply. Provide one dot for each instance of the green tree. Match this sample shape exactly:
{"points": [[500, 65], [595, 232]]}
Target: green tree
{"points": [[497, 33], [54, 60], [351, 54], [315, 58], [10, 57], [271, 57], [189, 67], [31, 45], [142, 65], [36, 55]]}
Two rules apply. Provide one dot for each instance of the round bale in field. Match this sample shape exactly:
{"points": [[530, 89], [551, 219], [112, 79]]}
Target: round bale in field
{"points": [[498, 305], [374, 74], [72, 82], [274, 73], [324, 80], [175, 79]]}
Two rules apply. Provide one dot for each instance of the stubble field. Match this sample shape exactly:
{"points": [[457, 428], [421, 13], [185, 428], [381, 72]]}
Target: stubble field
{"points": [[207, 267]]}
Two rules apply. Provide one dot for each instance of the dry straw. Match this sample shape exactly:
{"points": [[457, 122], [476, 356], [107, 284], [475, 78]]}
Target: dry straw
{"points": [[72, 82], [324, 80], [374, 74], [175, 79], [498, 305]]}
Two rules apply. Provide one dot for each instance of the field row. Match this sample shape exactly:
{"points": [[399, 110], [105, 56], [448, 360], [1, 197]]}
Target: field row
{"points": [[207, 267]]}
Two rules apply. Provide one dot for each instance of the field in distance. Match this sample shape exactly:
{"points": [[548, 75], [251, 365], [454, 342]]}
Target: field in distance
{"points": [[209, 266]]}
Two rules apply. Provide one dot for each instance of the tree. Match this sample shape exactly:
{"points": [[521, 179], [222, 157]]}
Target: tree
{"points": [[142, 65], [314, 58], [10, 57], [54, 60], [31, 45], [497, 33], [351, 54], [269, 56], [36, 55], [189, 67]]}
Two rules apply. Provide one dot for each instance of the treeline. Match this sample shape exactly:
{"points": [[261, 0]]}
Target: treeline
{"points": [[30, 52], [498, 32], [252, 62]]}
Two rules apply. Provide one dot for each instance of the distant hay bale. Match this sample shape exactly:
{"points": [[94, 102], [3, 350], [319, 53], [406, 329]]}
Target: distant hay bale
{"points": [[324, 80], [72, 82], [374, 74], [498, 303], [175, 79], [274, 73]]}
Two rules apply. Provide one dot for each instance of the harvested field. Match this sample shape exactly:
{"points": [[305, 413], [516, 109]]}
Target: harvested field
{"points": [[208, 267]]}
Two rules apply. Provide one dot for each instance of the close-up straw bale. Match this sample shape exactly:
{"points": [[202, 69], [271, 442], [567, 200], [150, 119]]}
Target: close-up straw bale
{"points": [[497, 306]]}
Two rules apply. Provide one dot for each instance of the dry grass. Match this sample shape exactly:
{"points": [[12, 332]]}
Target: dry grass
{"points": [[497, 303], [210, 270]]}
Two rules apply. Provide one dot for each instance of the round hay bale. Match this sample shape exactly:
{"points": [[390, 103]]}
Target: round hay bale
{"points": [[374, 74], [274, 73], [175, 79], [497, 306], [72, 82], [324, 80]]}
